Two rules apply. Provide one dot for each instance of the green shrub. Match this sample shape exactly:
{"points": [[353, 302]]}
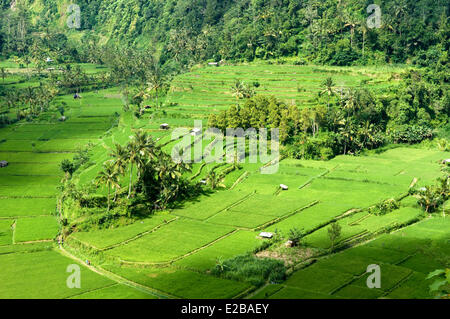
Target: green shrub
{"points": [[296, 235], [385, 207], [67, 166], [248, 268], [411, 134]]}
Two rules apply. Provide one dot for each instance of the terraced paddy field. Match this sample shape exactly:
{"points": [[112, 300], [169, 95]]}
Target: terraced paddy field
{"points": [[151, 250], [404, 256], [170, 254], [195, 95]]}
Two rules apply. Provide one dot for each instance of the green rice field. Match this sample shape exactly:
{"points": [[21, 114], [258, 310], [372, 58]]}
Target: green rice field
{"points": [[170, 254]]}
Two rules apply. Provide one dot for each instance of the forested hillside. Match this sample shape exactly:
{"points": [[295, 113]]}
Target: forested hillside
{"points": [[189, 31]]}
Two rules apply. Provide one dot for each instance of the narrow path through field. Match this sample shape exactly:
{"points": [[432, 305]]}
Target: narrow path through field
{"points": [[116, 278], [307, 263]]}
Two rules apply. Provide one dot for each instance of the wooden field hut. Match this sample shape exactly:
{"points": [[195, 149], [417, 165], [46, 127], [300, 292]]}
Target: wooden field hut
{"points": [[164, 126], [266, 235], [284, 187], [3, 163], [196, 132]]}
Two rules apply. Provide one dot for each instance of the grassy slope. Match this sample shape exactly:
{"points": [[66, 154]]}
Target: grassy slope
{"points": [[348, 183]]}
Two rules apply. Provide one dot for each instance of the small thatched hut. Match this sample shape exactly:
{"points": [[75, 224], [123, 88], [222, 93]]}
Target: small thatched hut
{"points": [[266, 235]]}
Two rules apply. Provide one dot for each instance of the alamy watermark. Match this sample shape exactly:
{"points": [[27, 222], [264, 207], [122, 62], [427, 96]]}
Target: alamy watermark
{"points": [[74, 279], [237, 145], [374, 279], [374, 19], [73, 16]]}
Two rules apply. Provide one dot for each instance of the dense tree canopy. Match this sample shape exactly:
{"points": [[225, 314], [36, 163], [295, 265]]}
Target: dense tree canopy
{"points": [[347, 120], [331, 32]]}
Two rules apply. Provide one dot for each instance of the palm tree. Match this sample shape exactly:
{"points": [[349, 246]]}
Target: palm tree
{"points": [[145, 147], [119, 155], [119, 161], [366, 131], [3, 73], [140, 96], [328, 89], [29, 97], [11, 98], [364, 29], [238, 89], [138, 151], [429, 199], [220, 264], [214, 180], [132, 158], [352, 22], [443, 145], [347, 132], [108, 177], [157, 79], [350, 102]]}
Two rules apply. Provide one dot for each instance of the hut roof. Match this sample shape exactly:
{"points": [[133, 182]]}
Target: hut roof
{"points": [[266, 235], [196, 131]]}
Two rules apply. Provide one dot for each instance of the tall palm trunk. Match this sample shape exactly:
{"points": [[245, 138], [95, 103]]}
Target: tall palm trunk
{"points": [[131, 176], [364, 44], [109, 193]]}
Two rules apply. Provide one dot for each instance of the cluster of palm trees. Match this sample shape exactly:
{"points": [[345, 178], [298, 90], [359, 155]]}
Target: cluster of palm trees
{"points": [[31, 100], [73, 78], [141, 68], [355, 118], [430, 198], [159, 179], [241, 90]]}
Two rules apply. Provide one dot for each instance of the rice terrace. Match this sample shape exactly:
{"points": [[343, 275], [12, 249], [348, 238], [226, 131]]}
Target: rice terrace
{"points": [[93, 206]]}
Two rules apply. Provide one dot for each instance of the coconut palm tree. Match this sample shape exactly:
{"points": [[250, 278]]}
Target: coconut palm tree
{"points": [[156, 80], [347, 132], [364, 29], [29, 97], [108, 177], [119, 155], [214, 180], [238, 89], [132, 157], [3, 72], [366, 132], [429, 199], [145, 147], [352, 22], [11, 98], [328, 89], [443, 145]]}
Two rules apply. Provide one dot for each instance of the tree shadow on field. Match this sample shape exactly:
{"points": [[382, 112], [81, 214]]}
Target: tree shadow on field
{"points": [[196, 193]]}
